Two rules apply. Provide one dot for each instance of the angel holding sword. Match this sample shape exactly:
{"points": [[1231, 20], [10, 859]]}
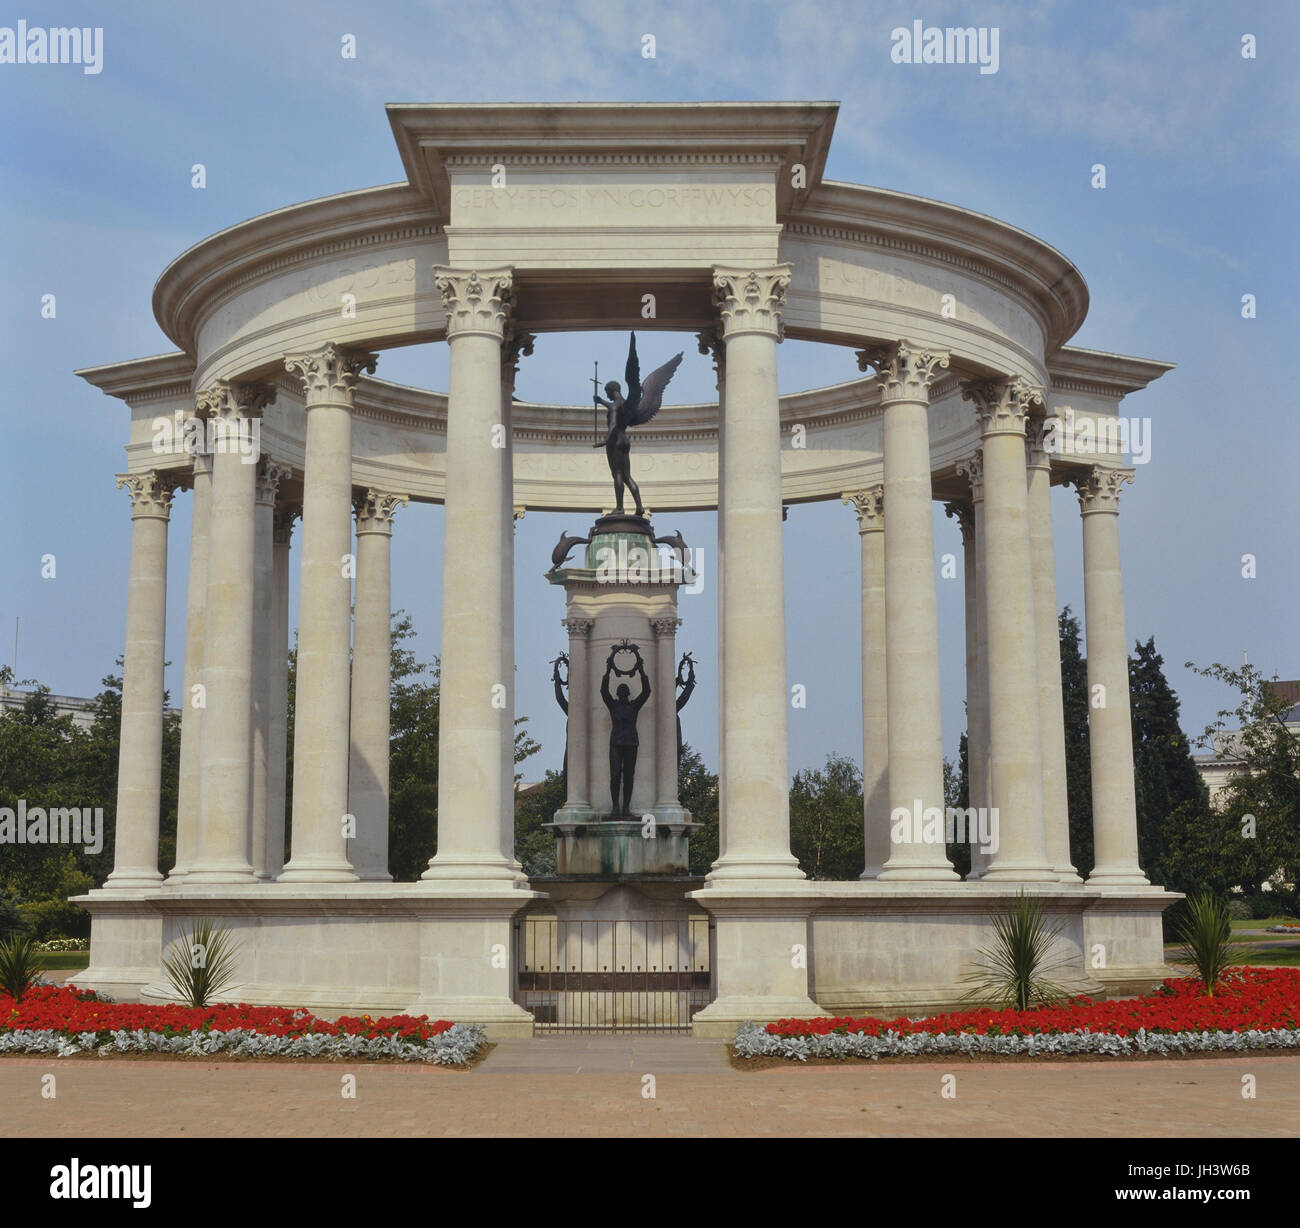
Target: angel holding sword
{"points": [[637, 408]]}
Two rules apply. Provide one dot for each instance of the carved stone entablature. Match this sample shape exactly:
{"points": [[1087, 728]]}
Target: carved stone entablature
{"points": [[151, 493], [270, 473], [869, 504], [282, 525], [376, 510], [904, 372], [476, 300], [1002, 407], [229, 399], [1099, 487], [330, 374], [578, 627], [750, 300], [665, 627], [964, 515], [972, 469]]}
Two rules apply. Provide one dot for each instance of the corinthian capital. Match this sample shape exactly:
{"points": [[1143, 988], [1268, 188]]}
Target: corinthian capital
{"points": [[1098, 489], [964, 515], [903, 371], [1037, 432], [578, 628], [230, 399], [869, 504], [515, 345], [270, 473], [376, 510], [750, 300], [1003, 405], [665, 627], [331, 373], [476, 301], [151, 493], [972, 469], [282, 525]]}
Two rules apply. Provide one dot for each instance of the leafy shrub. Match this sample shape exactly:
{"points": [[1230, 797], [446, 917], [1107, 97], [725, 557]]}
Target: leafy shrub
{"points": [[201, 964], [1014, 974], [1206, 938], [19, 966]]}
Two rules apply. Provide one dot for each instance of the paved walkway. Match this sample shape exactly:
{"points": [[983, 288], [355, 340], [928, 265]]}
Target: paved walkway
{"points": [[580, 1087]]}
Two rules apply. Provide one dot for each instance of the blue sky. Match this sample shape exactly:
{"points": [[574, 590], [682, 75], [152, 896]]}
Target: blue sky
{"points": [[1200, 147]]}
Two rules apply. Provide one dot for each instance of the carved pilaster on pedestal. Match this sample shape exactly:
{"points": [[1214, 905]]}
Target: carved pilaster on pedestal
{"points": [[869, 503], [904, 372]]}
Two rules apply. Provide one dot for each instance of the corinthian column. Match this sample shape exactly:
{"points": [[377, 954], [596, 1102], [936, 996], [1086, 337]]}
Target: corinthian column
{"points": [[277, 767], [1047, 639], [515, 345], [139, 758], [905, 374], [475, 721], [222, 852], [1110, 729], [269, 476], [320, 737], [371, 686], [187, 798], [1015, 743], [870, 506], [753, 616], [977, 673], [578, 802], [668, 807], [711, 343]]}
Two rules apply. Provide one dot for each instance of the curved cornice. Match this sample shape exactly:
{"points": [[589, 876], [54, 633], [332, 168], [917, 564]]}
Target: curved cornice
{"points": [[198, 278], [1038, 274]]}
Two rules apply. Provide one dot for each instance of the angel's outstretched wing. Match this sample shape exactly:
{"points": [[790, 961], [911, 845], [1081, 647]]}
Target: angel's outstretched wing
{"points": [[632, 374], [652, 392]]}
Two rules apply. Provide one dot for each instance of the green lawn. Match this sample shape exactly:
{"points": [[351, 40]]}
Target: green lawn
{"points": [[1265, 923], [1281, 957], [63, 959]]}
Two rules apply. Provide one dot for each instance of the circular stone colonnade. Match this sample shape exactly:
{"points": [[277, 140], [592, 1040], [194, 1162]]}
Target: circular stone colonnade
{"points": [[513, 221]]}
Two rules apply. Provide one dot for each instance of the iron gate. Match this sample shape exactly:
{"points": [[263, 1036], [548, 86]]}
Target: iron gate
{"points": [[612, 976]]}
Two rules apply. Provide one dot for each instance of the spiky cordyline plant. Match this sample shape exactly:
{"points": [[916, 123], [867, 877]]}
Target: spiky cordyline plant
{"points": [[201, 963], [1016, 967], [1205, 935], [20, 965]]}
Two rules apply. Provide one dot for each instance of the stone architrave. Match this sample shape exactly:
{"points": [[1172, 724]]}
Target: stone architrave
{"points": [[323, 684], [139, 771], [904, 373]]}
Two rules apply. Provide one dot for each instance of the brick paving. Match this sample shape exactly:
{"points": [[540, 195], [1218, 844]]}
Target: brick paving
{"points": [[577, 1088]]}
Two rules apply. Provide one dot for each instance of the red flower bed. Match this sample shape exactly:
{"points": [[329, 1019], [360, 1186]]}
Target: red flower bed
{"points": [[1246, 999], [73, 1011]]}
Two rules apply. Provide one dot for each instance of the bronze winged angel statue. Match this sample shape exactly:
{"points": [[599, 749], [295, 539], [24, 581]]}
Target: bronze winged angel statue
{"points": [[637, 408]]}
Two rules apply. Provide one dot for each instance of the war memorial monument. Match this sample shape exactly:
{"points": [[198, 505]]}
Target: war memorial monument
{"points": [[515, 221]]}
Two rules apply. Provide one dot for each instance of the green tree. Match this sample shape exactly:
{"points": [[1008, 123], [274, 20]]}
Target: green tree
{"points": [[1165, 777], [534, 846], [697, 789], [1078, 766], [826, 819], [956, 792]]}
